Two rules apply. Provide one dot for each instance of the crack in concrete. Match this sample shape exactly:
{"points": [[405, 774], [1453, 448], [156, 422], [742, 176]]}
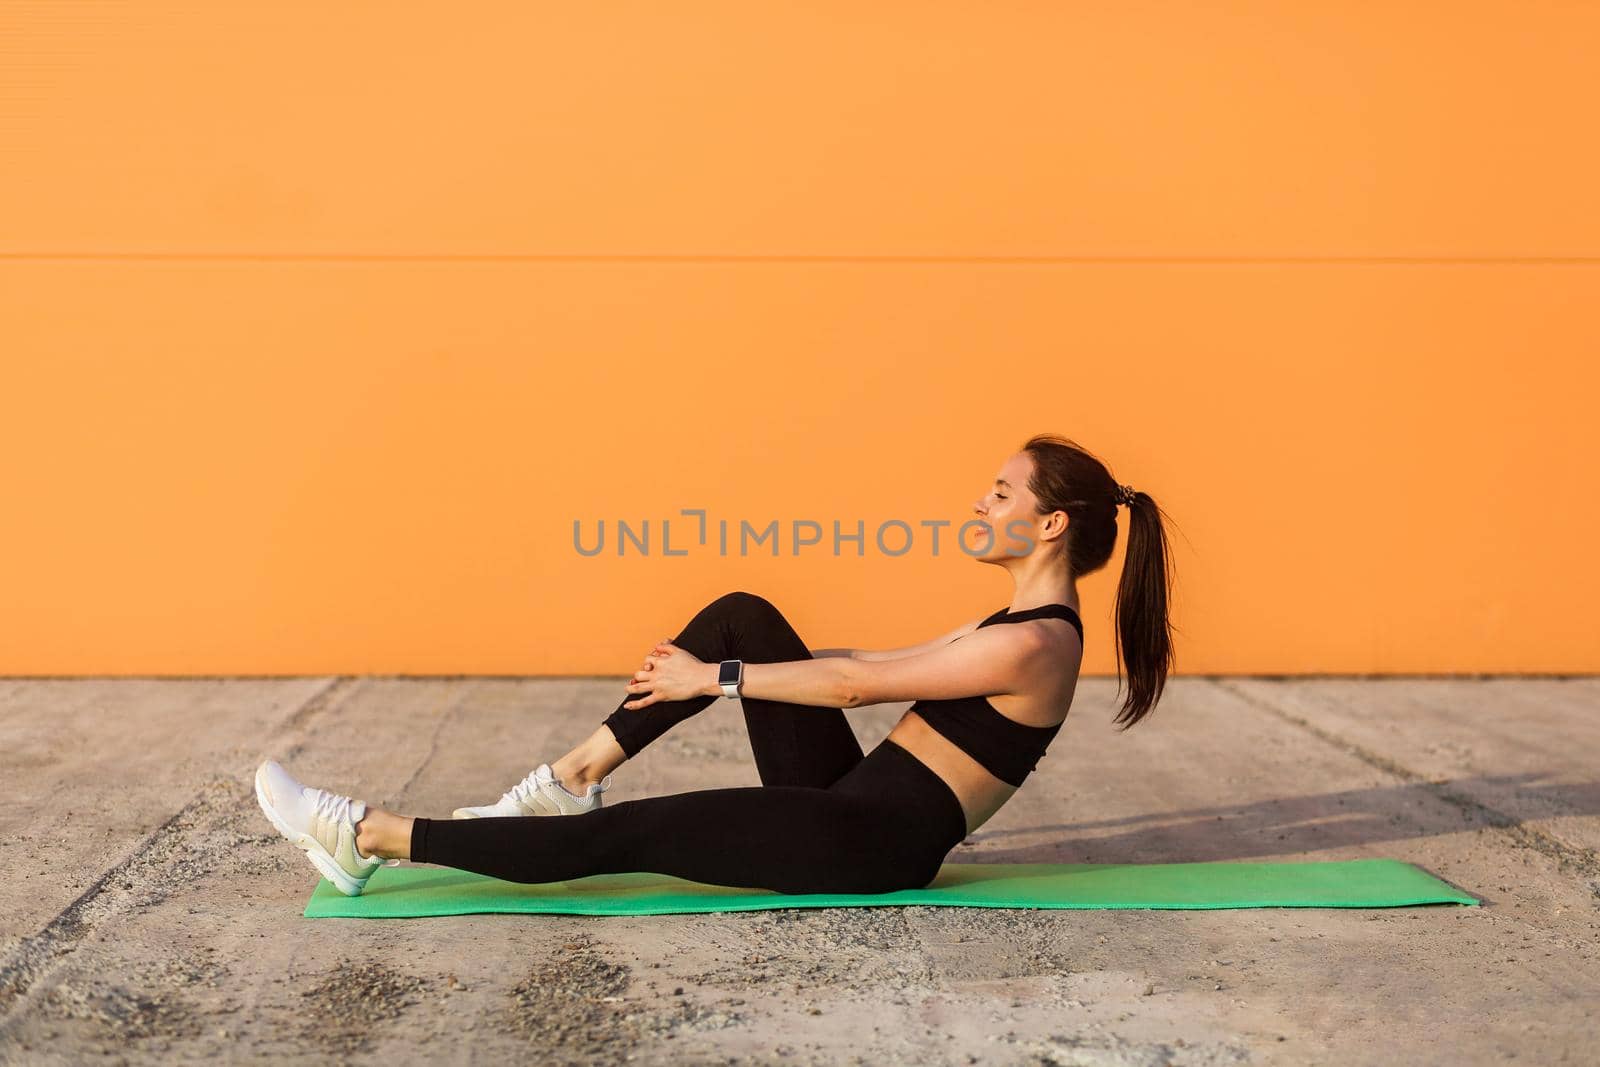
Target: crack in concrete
{"points": [[449, 716], [139, 878], [319, 702], [1585, 860]]}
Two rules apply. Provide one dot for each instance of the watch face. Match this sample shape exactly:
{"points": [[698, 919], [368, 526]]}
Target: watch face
{"points": [[729, 672]]}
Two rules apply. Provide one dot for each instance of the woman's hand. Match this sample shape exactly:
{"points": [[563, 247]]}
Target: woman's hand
{"points": [[669, 673]]}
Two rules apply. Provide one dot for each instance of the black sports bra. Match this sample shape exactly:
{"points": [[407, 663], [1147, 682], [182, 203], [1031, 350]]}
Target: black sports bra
{"points": [[1008, 749]]}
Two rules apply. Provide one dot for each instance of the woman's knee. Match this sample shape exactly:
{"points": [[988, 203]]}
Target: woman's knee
{"points": [[758, 629], [743, 605]]}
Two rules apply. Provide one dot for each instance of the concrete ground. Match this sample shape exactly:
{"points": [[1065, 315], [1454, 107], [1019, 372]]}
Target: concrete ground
{"points": [[150, 913]]}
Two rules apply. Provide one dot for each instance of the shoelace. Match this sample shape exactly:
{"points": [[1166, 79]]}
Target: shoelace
{"points": [[330, 806], [336, 808], [522, 789]]}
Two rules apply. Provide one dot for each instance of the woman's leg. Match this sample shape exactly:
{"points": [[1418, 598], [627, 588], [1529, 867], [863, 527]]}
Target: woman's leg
{"points": [[793, 744], [886, 826]]}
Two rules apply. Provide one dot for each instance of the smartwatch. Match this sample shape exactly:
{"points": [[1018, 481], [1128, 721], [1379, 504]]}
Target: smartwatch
{"points": [[729, 676]]}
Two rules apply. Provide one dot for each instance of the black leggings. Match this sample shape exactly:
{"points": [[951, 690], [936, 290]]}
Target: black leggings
{"points": [[826, 818]]}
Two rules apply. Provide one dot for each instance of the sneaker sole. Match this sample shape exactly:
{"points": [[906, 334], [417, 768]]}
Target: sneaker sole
{"points": [[468, 813], [314, 850], [464, 813]]}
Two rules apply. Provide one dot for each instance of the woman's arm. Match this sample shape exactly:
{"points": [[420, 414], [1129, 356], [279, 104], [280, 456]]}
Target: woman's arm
{"points": [[994, 661], [897, 653], [997, 660], [821, 683], [677, 674], [848, 681]]}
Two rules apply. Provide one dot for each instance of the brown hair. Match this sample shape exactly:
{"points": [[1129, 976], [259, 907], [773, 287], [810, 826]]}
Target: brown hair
{"points": [[1067, 477]]}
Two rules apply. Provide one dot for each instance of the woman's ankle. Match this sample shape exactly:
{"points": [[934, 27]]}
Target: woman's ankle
{"points": [[576, 778], [384, 834], [590, 762]]}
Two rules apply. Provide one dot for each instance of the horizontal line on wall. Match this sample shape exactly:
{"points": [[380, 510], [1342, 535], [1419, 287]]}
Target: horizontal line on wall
{"points": [[272, 257]]}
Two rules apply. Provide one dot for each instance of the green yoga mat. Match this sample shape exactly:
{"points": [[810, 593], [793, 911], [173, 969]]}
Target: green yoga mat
{"points": [[415, 892]]}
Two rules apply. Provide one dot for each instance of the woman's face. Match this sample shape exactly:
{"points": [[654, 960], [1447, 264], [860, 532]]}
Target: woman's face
{"points": [[1010, 510]]}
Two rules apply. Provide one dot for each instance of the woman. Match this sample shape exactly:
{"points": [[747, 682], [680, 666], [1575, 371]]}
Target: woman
{"points": [[989, 696]]}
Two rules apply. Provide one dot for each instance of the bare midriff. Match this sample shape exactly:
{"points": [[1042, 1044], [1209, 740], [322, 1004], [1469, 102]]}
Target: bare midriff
{"points": [[981, 793]]}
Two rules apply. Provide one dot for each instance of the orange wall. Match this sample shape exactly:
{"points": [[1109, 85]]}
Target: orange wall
{"points": [[320, 325]]}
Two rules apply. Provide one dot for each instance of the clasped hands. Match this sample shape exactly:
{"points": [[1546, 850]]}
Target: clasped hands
{"points": [[671, 673]]}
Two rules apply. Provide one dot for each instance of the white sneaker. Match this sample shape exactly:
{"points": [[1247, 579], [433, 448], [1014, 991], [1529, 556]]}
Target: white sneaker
{"points": [[539, 794], [321, 823]]}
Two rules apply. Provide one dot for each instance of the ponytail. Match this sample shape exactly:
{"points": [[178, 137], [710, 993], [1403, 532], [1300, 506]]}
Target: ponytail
{"points": [[1140, 620], [1067, 477]]}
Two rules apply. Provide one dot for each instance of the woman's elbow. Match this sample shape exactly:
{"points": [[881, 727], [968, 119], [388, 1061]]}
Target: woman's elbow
{"points": [[849, 692]]}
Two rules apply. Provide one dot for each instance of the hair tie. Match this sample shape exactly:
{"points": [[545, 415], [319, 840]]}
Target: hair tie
{"points": [[1124, 494]]}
